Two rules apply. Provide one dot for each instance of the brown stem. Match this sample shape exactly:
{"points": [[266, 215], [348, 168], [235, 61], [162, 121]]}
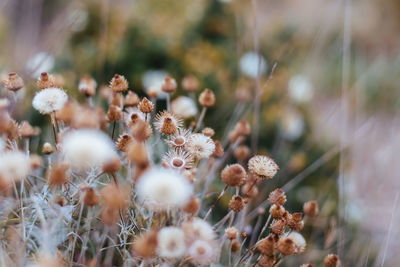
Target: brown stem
{"points": [[216, 201], [113, 130]]}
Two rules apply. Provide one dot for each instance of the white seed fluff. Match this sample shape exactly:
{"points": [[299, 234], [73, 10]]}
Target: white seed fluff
{"points": [[200, 146], [14, 166], [263, 166], [298, 240], [48, 100], [184, 107], [87, 148], [198, 229], [202, 252], [171, 242], [161, 189]]}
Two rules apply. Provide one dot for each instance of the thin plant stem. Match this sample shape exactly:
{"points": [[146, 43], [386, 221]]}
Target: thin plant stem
{"points": [[201, 118], [216, 201], [113, 130]]}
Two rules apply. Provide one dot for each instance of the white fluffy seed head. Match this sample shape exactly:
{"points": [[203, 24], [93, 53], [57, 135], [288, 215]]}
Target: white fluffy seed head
{"points": [[86, 148], [171, 242], [161, 189], [14, 166], [184, 107], [198, 229], [48, 100], [200, 146], [263, 166], [202, 252]]}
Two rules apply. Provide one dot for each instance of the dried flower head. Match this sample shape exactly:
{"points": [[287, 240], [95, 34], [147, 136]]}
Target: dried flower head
{"points": [[219, 150], [184, 107], [87, 86], [263, 166], [45, 81], [277, 197], [169, 85], [90, 196], [267, 261], [123, 142], [231, 233], [178, 159], [278, 227], [190, 83], [132, 115], [207, 98], [200, 146], [179, 139], [137, 153], [112, 166], [295, 221], [266, 246], [118, 84], [146, 106], [87, 148], [49, 100], [14, 166], [236, 203], [208, 132], [332, 260], [114, 113], [192, 206], [171, 242], [198, 229], [13, 83], [25, 129], [163, 189], [277, 211], [58, 175], [146, 244], [242, 152], [141, 131], [233, 175], [311, 209], [131, 99], [299, 242], [167, 123], [202, 252], [286, 246]]}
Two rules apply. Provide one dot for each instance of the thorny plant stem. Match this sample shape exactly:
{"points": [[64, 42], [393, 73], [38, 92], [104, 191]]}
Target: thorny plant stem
{"points": [[201, 118], [216, 201]]}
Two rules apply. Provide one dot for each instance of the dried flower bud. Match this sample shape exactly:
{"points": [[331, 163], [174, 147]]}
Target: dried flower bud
{"points": [[114, 197], [45, 81], [118, 84], [295, 221], [266, 246], [277, 227], [311, 209], [169, 85], [236, 203], [146, 106], [233, 175], [123, 142], [190, 83], [208, 132], [277, 211], [219, 150], [192, 206], [14, 82], [47, 148], [141, 131], [87, 86], [86, 117], [58, 174], [145, 245], [242, 153], [114, 113], [286, 246], [242, 128], [235, 246], [131, 99], [267, 261], [167, 123], [90, 196], [110, 215], [25, 129], [112, 166], [332, 260], [36, 161], [231, 233], [137, 153], [67, 112], [277, 197], [207, 98]]}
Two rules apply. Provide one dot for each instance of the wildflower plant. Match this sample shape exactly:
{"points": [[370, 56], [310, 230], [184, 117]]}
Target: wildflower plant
{"points": [[139, 193]]}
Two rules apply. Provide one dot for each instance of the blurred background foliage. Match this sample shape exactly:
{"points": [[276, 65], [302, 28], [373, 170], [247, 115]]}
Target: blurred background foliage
{"points": [[209, 39]]}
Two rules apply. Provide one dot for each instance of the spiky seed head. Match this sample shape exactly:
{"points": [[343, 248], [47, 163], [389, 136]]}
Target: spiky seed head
{"points": [[311, 209], [45, 81], [231, 233], [236, 203], [131, 99], [233, 175], [207, 98], [263, 166], [118, 84], [278, 197], [146, 106]]}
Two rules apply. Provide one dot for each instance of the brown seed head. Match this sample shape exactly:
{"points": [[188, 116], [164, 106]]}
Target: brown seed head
{"points": [[311, 209], [277, 211], [45, 81], [25, 129], [190, 83], [250, 188], [208, 132], [58, 175], [242, 153], [114, 113], [267, 261], [236, 203], [219, 150], [286, 246], [146, 106], [118, 84], [145, 246], [87, 86], [137, 153], [90, 196], [235, 246], [243, 95], [278, 227], [47, 148], [131, 99], [67, 112], [192, 206], [14, 82], [141, 131], [169, 85], [295, 221], [231, 233], [242, 128], [233, 175], [112, 166], [278, 197], [332, 260], [36, 161], [207, 98], [123, 142], [266, 246], [114, 197]]}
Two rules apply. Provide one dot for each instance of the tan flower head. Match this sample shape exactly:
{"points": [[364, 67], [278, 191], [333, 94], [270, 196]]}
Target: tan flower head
{"points": [[207, 98], [45, 81], [169, 85], [119, 84], [190, 83], [14, 82], [179, 139], [87, 86], [146, 106], [263, 166], [167, 123], [233, 175], [178, 159]]}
